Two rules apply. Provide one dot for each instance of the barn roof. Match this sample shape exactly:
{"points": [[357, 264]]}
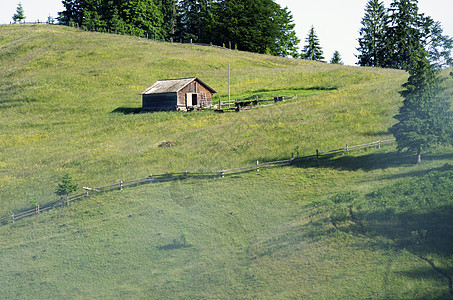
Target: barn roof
{"points": [[173, 86]]}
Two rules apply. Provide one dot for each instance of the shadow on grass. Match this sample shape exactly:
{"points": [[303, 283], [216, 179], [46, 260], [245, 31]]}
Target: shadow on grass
{"points": [[127, 110], [370, 162], [421, 233], [173, 246]]}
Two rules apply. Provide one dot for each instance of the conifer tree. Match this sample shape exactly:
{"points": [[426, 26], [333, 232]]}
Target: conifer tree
{"points": [[312, 49], [336, 58], [19, 15], [410, 32], [67, 186], [424, 120], [168, 10], [260, 26], [194, 20], [392, 37], [286, 40], [403, 35], [372, 35]]}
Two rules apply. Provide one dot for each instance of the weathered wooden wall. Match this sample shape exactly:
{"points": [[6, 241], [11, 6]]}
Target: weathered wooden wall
{"points": [[159, 101], [194, 88]]}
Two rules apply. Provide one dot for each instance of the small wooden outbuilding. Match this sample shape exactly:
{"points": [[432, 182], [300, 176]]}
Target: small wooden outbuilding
{"points": [[177, 94]]}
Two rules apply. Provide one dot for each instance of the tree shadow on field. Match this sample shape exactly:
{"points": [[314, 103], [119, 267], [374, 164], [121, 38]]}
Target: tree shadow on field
{"points": [[127, 110], [369, 162], [422, 233], [415, 214], [428, 236]]}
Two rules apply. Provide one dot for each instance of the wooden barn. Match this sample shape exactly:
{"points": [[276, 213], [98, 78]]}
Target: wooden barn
{"points": [[177, 94]]}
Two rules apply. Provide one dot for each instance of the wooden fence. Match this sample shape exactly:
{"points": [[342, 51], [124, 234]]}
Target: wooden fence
{"points": [[156, 178]]}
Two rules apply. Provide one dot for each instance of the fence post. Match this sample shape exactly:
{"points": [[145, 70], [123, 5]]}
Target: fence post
{"points": [[379, 144], [12, 217], [67, 200], [317, 154], [257, 166], [347, 148], [121, 185], [150, 178], [37, 209], [222, 174], [185, 174]]}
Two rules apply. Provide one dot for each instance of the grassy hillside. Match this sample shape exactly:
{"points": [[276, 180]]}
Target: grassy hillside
{"points": [[63, 94], [61, 87]]}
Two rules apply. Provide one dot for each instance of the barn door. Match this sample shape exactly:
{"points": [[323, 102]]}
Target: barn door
{"points": [[189, 100]]}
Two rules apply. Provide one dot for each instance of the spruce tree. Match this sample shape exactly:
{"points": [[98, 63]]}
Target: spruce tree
{"points": [[437, 45], [336, 58], [73, 13], [312, 49], [392, 37], [286, 40], [424, 119], [372, 35], [403, 35], [67, 186], [19, 15], [194, 20], [260, 26], [168, 10]]}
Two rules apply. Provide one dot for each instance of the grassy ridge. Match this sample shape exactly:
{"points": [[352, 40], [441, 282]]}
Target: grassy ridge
{"points": [[260, 235], [60, 87]]}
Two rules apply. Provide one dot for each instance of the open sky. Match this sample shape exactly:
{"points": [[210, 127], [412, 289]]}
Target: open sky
{"points": [[336, 22]]}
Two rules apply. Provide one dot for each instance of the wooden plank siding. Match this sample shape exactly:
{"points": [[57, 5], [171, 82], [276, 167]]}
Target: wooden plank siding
{"points": [[197, 89], [159, 101]]}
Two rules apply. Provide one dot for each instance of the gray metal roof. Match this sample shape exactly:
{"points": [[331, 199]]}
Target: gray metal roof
{"points": [[172, 86]]}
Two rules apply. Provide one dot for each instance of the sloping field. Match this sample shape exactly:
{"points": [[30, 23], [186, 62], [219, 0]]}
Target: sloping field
{"points": [[64, 102]]}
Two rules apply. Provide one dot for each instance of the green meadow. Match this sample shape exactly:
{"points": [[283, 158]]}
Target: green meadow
{"points": [[363, 225]]}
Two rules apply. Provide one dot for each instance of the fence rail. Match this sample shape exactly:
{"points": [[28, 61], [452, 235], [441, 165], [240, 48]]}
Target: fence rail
{"points": [[156, 178]]}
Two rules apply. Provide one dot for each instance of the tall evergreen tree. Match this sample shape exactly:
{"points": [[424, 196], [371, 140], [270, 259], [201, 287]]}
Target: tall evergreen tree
{"points": [[117, 24], [142, 16], [410, 32], [286, 40], [424, 120], [372, 35], [19, 15], [245, 23], [394, 38], [312, 49], [194, 20], [437, 45], [403, 35], [168, 10], [73, 13]]}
